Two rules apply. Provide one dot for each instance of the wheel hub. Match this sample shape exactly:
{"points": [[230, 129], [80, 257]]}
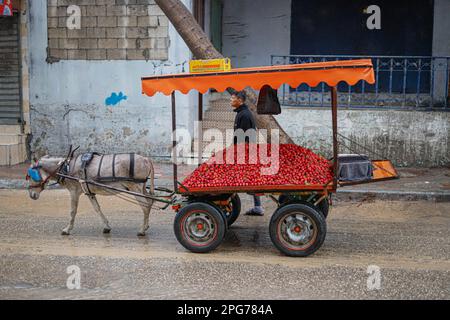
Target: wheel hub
{"points": [[297, 229], [199, 227]]}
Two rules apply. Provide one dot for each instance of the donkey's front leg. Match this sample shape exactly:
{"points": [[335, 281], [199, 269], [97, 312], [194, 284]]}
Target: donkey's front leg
{"points": [[74, 199], [96, 206]]}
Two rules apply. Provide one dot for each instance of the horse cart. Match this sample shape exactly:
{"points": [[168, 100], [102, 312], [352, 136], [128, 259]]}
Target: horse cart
{"points": [[205, 212], [298, 225]]}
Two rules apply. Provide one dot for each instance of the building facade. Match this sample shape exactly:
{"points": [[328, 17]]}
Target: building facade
{"points": [[74, 69], [82, 85]]}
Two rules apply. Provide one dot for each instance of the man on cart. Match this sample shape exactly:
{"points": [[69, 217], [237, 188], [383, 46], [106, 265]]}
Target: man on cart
{"points": [[296, 228], [244, 122]]}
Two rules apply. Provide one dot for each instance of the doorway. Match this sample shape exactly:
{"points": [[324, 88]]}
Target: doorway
{"points": [[10, 70]]}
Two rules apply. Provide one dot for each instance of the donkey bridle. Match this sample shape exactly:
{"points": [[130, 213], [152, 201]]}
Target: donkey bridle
{"points": [[43, 182], [53, 174]]}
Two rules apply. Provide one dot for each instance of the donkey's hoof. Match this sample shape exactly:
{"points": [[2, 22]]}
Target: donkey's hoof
{"points": [[106, 230], [65, 233], [141, 234]]}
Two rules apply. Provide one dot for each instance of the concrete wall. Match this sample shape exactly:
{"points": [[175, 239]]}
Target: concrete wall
{"points": [[106, 30], [408, 138], [255, 29], [68, 99]]}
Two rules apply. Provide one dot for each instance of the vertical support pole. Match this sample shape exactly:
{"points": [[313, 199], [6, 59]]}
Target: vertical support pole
{"points": [[335, 141], [200, 128], [174, 144]]}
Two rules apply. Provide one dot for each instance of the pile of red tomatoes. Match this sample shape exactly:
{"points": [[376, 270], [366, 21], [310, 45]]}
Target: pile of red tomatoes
{"points": [[262, 165]]}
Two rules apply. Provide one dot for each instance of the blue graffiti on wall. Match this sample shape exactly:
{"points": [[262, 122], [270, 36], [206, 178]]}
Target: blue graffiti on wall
{"points": [[115, 98]]}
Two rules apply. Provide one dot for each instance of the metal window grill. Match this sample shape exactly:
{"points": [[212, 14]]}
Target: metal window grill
{"points": [[402, 82]]}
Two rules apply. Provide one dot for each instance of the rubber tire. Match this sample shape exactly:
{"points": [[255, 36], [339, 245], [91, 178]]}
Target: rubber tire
{"points": [[236, 202], [224, 216], [313, 214], [213, 213]]}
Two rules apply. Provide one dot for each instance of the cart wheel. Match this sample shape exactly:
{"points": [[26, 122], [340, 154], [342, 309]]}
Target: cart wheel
{"points": [[236, 210], [223, 212], [297, 230], [199, 227]]}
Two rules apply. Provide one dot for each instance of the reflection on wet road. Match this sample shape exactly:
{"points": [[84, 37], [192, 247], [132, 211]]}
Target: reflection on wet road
{"points": [[409, 241]]}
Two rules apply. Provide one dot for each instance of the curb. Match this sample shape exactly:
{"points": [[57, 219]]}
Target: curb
{"points": [[392, 195], [12, 184], [18, 184]]}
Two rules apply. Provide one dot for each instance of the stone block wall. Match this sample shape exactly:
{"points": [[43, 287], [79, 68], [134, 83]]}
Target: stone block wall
{"points": [[109, 30]]}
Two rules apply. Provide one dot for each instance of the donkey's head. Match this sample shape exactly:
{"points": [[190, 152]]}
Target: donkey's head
{"points": [[40, 173]]}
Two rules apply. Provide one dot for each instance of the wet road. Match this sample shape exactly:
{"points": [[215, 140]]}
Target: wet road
{"points": [[408, 241]]}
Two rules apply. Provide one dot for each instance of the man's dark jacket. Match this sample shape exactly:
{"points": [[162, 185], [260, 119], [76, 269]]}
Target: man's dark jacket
{"points": [[244, 120]]}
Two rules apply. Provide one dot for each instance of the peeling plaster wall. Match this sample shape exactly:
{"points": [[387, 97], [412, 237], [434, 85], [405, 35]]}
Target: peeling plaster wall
{"points": [[408, 138], [67, 99]]}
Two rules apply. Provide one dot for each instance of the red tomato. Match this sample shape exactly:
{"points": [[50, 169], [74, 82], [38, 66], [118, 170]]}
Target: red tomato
{"points": [[297, 166]]}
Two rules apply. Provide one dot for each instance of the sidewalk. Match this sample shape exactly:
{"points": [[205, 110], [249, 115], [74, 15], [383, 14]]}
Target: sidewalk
{"points": [[414, 183]]}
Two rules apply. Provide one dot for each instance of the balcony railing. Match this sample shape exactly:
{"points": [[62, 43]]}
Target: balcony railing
{"points": [[402, 82]]}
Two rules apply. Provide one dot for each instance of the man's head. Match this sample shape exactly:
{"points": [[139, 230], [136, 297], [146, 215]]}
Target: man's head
{"points": [[238, 99]]}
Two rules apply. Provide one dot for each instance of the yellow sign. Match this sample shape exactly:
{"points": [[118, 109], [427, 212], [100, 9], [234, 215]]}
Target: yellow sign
{"points": [[212, 65]]}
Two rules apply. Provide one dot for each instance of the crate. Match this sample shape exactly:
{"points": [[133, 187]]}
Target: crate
{"points": [[212, 65]]}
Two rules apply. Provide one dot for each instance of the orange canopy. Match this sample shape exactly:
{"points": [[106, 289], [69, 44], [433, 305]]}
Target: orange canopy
{"points": [[331, 73]]}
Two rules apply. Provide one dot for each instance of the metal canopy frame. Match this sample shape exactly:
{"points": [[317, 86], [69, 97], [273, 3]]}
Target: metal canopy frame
{"points": [[350, 71], [331, 73]]}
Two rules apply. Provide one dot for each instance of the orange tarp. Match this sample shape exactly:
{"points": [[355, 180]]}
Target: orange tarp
{"points": [[331, 73]]}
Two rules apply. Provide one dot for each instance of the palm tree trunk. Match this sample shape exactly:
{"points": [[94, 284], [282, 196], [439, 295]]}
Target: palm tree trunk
{"points": [[202, 48]]}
